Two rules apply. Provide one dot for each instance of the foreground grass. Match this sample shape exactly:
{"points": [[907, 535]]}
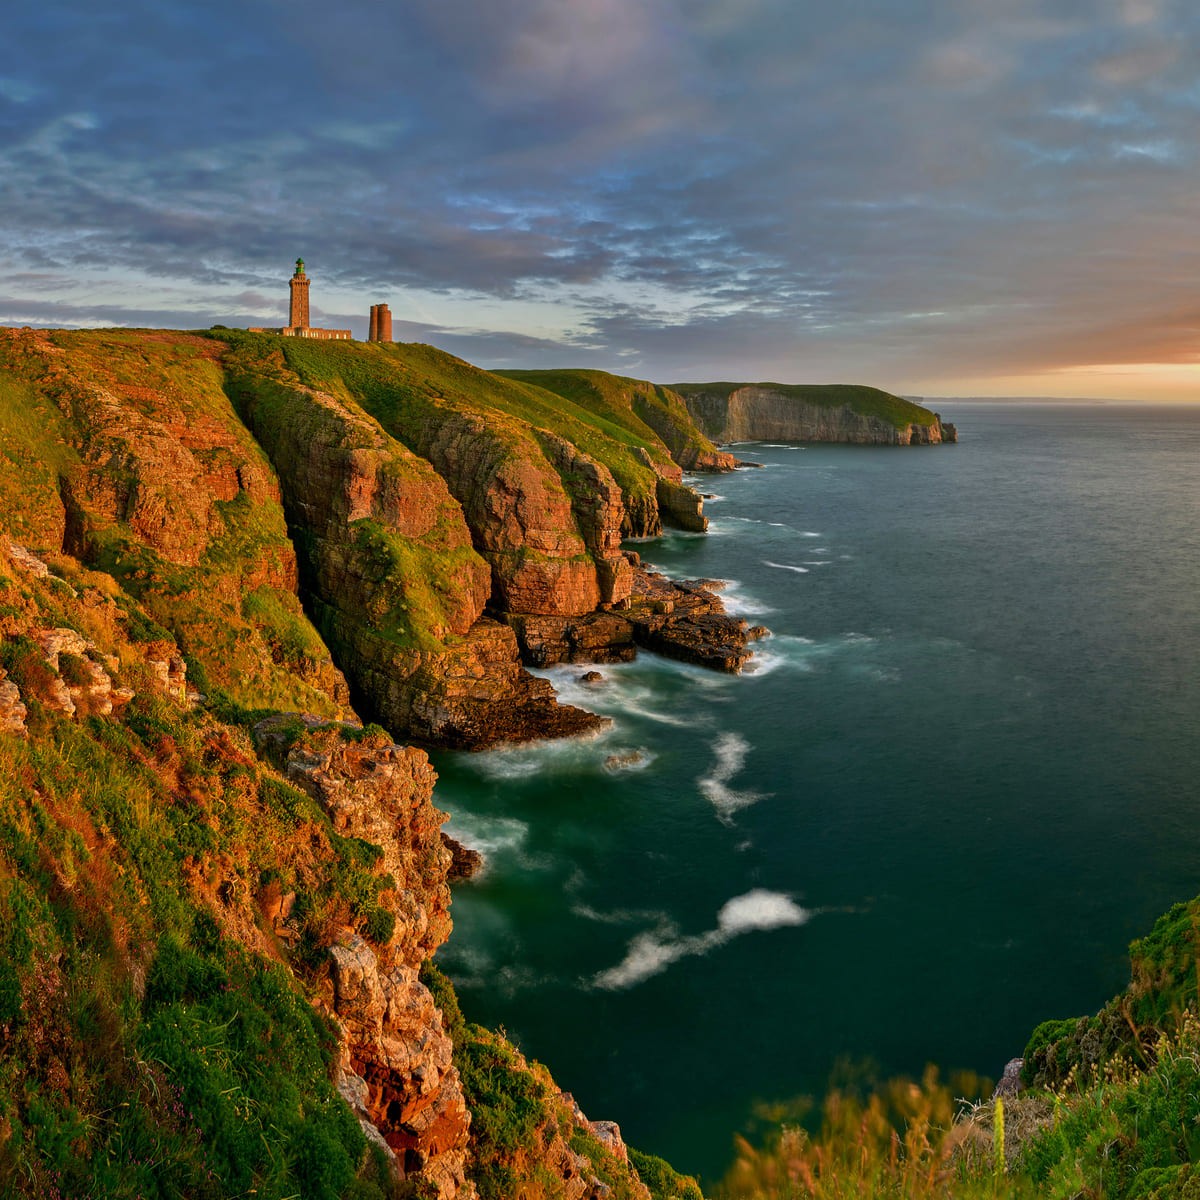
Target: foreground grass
{"points": [[1112, 1111]]}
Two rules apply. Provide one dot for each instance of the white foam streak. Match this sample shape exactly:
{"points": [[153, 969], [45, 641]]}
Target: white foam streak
{"points": [[785, 567], [652, 951], [731, 751]]}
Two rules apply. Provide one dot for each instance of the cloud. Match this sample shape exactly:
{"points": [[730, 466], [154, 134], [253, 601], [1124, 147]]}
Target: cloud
{"points": [[694, 187]]}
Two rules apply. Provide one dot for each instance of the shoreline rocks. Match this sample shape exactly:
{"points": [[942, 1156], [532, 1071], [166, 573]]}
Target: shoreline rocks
{"points": [[681, 619]]}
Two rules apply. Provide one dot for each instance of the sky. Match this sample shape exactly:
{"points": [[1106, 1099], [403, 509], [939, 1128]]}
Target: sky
{"points": [[937, 197]]}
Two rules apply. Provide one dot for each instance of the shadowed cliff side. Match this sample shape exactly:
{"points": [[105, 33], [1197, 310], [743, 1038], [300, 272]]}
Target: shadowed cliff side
{"points": [[747, 412], [389, 571]]}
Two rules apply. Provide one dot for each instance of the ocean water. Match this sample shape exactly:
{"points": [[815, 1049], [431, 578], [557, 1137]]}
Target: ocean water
{"points": [[963, 775]]}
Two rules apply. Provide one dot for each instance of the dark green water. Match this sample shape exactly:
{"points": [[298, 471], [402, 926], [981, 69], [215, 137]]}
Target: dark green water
{"points": [[963, 778]]}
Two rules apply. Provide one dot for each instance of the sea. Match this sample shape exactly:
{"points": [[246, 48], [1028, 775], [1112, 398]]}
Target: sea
{"points": [[960, 776]]}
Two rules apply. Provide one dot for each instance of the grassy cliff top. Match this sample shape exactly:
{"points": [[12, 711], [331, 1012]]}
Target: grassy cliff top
{"points": [[872, 402]]}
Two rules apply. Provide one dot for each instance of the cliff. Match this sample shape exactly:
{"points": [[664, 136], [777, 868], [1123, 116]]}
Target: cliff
{"points": [[747, 412], [214, 941], [279, 506], [217, 914], [655, 415]]}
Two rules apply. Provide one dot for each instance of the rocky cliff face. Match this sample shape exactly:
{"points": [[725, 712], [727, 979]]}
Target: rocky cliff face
{"points": [[394, 1063], [211, 524], [542, 510], [768, 412], [391, 576], [160, 484], [682, 619]]}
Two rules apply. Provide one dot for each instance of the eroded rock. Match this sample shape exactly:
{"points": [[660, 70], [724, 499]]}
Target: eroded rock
{"points": [[12, 710]]}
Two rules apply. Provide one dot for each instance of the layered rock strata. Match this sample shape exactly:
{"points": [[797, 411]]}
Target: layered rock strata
{"points": [[764, 412]]}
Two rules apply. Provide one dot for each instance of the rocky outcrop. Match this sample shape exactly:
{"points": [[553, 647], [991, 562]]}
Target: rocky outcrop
{"points": [[383, 794], [170, 672], [473, 696], [394, 1063], [464, 862], [793, 413], [599, 514], [12, 710], [682, 619], [395, 1066], [519, 513], [83, 685], [681, 506], [595, 638]]}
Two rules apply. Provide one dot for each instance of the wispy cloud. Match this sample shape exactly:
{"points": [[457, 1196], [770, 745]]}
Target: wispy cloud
{"points": [[696, 186]]}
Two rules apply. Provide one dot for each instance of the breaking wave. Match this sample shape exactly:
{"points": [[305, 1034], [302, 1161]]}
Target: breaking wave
{"points": [[738, 604]]}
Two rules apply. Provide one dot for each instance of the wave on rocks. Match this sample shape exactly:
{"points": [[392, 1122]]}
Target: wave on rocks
{"points": [[488, 834], [738, 604]]}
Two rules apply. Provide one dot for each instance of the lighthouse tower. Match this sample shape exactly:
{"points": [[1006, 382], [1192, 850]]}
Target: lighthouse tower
{"points": [[298, 325], [298, 318]]}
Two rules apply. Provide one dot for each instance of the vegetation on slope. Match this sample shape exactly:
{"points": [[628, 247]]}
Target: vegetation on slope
{"points": [[122, 447], [402, 561], [152, 1043], [654, 414], [410, 388]]}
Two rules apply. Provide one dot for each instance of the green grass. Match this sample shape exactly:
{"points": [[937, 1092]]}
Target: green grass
{"points": [[144, 1050], [411, 389], [654, 415], [34, 448]]}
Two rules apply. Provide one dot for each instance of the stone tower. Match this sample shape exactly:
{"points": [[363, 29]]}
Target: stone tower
{"points": [[381, 324], [298, 325], [299, 311]]}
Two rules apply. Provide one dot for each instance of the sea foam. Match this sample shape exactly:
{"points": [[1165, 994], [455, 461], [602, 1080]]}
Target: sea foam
{"points": [[738, 604], [653, 951], [731, 750], [786, 566], [487, 834]]}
